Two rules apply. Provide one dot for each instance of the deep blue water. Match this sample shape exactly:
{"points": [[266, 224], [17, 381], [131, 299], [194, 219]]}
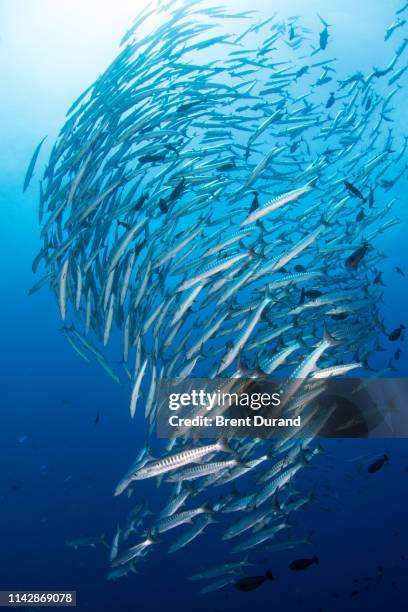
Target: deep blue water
{"points": [[59, 468]]}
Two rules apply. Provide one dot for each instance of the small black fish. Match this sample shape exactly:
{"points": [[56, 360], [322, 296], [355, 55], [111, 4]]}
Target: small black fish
{"points": [[302, 296], [255, 202], [313, 294], [97, 418], [140, 201], [177, 191], [163, 205], [299, 268], [185, 107], [139, 247], [324, 38], [400, 271], [147, 159], [250, 583], [302, 564], [330, 101], [227, 166], [354, 593], [294, 146], [378, 464], [354, 259], [396, 333], [356, 192], [360, 216], [378, 279], [371, 198]]}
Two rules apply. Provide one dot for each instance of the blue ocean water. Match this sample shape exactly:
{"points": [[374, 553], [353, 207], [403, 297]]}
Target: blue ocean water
{"points": [[59, 467]]}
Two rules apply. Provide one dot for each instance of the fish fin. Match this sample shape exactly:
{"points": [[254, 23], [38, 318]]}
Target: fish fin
{"points": [[147, 510], [312, 183]]}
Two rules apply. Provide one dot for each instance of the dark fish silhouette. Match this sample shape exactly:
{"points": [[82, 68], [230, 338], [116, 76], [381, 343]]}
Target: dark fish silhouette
{"points": [[250, 583], [177, 191], [141, 201], [163, 205], [378, 279], [360, 216], [301, 564], [330, 101], [340, 316], [354, 259], [255, 202], [299, 268], [371, 198], [151, 159], [313, 294], [397, 354], [396, 333], [31, 165], [226, 166], [378, 464], [97, 418], [356, 192], [400, 271]]}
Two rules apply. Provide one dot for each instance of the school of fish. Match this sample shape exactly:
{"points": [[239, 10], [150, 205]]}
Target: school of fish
{"points": [[213, 202]]}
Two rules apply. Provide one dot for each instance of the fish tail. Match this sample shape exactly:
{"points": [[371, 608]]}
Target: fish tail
{"points": [[329, 338], [225, 446], [103, 540], [207, 507], [303, 459]]}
